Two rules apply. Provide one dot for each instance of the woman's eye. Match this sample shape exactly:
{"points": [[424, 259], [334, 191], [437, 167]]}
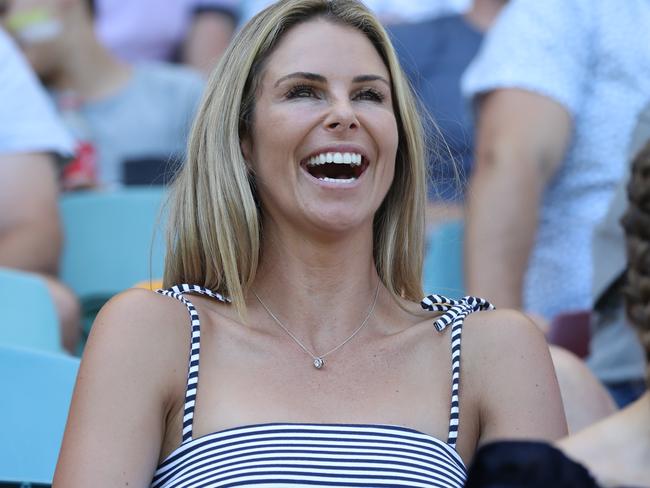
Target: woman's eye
{"points": [[370, 94], [301, 91]]}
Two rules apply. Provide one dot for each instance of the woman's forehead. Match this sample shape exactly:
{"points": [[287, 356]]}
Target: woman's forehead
{"points": [[321, 46]]}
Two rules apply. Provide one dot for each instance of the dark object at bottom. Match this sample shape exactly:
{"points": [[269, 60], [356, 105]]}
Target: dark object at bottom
{"points": [[510, 464]]}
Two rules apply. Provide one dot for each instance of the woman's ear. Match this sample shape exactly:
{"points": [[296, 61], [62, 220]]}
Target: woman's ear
{"points": [[247, 151]]}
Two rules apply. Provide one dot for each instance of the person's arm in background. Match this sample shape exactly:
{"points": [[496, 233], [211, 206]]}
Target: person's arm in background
{"points": [[30, 228], [30, 134], [527, 84], [521, 141], [30, 233], [209, 36]]}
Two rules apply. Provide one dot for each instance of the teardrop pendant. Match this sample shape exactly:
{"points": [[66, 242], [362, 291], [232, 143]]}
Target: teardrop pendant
{"points": [[318, 363]]}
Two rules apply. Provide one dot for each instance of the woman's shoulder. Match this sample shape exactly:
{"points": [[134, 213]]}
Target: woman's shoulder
{"points": [[145, 307], [483, 322], [507, 365], [498, 339], [142, 320], [502, 326]]}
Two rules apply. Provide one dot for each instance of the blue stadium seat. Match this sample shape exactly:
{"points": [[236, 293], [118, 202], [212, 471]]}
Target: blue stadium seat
{"points": [[35, 388], [27, 314], [113, 240], [443, 260]]}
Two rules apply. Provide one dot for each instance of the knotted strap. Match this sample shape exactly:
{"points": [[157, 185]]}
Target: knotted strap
{"points": [[454, 313], [195, 347]]}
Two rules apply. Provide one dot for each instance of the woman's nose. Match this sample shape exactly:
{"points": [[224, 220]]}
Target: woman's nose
{"points": [[341, 116]]}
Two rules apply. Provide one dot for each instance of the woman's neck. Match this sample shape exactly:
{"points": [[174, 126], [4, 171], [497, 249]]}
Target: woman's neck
{"points": [[321, 291]]}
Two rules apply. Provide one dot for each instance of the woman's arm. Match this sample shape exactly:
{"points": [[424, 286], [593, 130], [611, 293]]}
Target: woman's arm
{"points": [[509, 363], [133, 361]]}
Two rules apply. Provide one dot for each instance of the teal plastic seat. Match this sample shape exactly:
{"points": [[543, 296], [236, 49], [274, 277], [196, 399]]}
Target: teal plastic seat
{"points": [[27, 314], [109, 240], [443, 260], [36, 391]]}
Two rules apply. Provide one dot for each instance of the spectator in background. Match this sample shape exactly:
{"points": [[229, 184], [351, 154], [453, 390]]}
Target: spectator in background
{"points": [[435, 53], [117, 112], [194, 32], [31, 140], [558, 86], [620, 357], [617, 449]]}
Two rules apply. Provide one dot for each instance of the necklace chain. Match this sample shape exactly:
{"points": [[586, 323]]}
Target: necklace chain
{"points": [[319, 360]]}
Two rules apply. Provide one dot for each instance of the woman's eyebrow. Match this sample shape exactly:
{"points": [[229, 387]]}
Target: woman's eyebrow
{"points": [[321, 79], [303, 75], [365, 78]]}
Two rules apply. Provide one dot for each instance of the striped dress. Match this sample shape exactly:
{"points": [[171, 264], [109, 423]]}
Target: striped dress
{"points": [[317, 455]]}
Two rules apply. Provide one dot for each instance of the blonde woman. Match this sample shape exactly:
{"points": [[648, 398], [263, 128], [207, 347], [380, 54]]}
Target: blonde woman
{"points": [[297, 228]]}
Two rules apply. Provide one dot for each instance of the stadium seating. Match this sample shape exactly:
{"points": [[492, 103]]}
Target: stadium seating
{"points": [[27, 314], [36, 388], [113, 240]]}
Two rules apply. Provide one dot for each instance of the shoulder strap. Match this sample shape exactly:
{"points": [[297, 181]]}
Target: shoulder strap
{"points": [[454, 313], [195, 346]]}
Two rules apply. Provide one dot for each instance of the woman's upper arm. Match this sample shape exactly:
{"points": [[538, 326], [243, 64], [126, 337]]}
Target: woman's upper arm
{"points": [[511, 367], [116, 422]]}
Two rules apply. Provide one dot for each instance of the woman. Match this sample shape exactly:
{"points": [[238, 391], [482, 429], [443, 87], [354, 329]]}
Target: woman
{"points": [[302, 201]]}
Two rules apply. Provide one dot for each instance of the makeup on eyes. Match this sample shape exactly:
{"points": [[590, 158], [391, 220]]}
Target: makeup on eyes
{"points": [[304, 90]]}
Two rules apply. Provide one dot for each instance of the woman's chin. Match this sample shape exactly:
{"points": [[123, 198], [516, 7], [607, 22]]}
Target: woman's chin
{"points": [[339, 224]]}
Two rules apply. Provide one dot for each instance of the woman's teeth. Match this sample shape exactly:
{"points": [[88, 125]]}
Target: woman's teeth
{"points": [[335, 158], [340, 181], [336, 167]]}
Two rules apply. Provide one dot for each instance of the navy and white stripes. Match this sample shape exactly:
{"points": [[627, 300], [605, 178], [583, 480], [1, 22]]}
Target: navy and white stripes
{"points": [[310, 455], [195, 346], [274, 455], [455, 312]]}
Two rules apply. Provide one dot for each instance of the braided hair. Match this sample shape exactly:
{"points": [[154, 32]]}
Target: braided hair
{"points": [[636, 223]]}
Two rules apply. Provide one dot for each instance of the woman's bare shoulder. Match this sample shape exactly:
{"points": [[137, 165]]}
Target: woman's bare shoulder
{"points": [[132, 375], [153, 327], [501, 329], [507, 364], [497, 340], [139, 313]]}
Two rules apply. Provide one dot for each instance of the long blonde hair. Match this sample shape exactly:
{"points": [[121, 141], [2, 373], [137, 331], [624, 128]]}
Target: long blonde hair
{"points": [[214, 232]]}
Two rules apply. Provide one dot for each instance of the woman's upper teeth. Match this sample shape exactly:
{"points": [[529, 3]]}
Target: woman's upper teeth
{"points": [[335, 157]]}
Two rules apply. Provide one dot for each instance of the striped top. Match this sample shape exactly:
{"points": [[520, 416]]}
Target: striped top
{"points": [[313, 455]]}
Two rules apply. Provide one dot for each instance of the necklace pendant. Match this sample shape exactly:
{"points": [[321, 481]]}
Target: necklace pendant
{"points": [[319, 363]]}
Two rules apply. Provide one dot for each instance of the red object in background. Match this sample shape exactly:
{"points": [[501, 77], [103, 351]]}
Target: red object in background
{"points": [[81, 172], [571, 331]]}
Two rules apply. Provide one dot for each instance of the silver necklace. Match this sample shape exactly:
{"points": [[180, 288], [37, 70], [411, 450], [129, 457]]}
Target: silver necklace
{"points": [[319, 360]]}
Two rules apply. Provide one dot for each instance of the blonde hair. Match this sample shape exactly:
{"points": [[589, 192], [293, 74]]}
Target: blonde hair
{"points": [[214, 231]]}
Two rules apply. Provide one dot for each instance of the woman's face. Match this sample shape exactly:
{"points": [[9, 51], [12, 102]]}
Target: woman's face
{"points": [[324, 134]]}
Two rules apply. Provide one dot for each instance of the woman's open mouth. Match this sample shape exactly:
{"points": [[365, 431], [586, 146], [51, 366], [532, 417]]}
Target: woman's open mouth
{"points": [[336, 167]]}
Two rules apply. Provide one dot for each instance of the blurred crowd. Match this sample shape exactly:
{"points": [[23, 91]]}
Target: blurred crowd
{"points": [[535, 111]]}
